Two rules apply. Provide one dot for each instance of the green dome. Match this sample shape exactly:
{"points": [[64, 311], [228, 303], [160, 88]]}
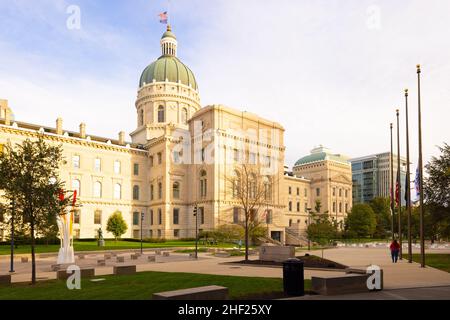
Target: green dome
{"points": [[321, 154], [170, 68], [168, 34]]}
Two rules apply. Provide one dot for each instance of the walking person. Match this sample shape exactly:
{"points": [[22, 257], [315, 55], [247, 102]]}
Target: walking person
{"points": [[395, 249]]}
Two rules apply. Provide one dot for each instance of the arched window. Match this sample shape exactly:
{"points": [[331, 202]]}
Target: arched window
{"points": [[117, 191], [141, 117], [76, 186], [203, 184], [184, 116], [176, 190], [97, 189], [136, 193], [98, 217], [161, 117], [160, 190]]}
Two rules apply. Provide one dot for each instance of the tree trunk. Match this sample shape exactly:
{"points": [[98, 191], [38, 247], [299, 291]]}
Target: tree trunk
{"points": [[246, 239], [33, 256]]}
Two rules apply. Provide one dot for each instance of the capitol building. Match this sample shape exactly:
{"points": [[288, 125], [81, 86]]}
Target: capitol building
{"points": [[180, 156]]}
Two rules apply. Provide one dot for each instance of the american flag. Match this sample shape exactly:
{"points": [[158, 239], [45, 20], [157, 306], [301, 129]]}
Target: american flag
{"points": [[417, 182], [397, 193], [164, 17]]}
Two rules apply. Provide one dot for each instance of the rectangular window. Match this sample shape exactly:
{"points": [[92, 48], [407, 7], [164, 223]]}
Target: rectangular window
{"points": [[298, 191], [269, 216], [159, 216], [203, 154], [252, 158], [290, 222], [159, 233], [346, 208], [135, 218], [334, 192], [235, 215], [152, 191], [290, 205], [159, 190], [318, 192], [298, 206], [176, 233], [151, 161], [306, 192], [346, 193], [76, 161], [76, 217], [117, 167], [236, 155], [159, 157], [136, 193], [98, 217], [176, 157], [306, 207], [136, 234], [98, 165], [340, 192], [201, 212], [176, 216], [290, 190], [136, 169], [151, 217], [334, 206]]}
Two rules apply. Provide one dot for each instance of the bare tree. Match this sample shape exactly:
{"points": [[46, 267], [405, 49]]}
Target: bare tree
{"points": [[252, 190]]}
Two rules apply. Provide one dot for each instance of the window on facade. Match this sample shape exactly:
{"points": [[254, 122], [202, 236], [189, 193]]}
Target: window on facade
{"points": [[117, 167], [203, 183], [97, 217], [290, 222], [152, 191], [340, 192], [298, 206], [76, 186], [334, 206], [151, 161], [117, 191], [235, 215], [236, 155], [252, 158], [176, 190], [252, 186], [97, 189], [346, 193], [136, 169], [159, 216], [159, 233], [76, 161], [268, 161], [176, 233], [141, 117], [184, 116], [151, 217], [346, 207], [306, 192], [159, 190], [269, 216], [136, 193], [306, 207], [290, 190], [334, 192], [98, 165], [176, 216], [318, 192], [290, 205], [236, 184], [76, 217], [159, 157], [267, 189], [176, 157], [298, 191], [135, 218], [201, 212], [340, 207], [161, 114]]}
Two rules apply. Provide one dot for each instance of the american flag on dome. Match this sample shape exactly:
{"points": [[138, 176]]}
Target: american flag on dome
{"points": [[163, 17]]}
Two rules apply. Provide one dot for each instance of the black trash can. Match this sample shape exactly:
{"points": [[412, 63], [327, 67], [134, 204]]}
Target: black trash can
{"points": [[293, 277]]}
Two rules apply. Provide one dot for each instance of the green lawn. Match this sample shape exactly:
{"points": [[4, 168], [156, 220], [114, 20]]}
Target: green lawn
{"points": [[109, 245], [141, 286], [439, 261]]}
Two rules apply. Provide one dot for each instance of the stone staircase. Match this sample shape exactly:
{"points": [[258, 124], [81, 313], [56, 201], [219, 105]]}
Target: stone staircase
{"points": [[295, 238]]}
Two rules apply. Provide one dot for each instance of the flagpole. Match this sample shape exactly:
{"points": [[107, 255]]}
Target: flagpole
{"points": [[392, 188], [422, 234], [399, 188], [408, 177]]}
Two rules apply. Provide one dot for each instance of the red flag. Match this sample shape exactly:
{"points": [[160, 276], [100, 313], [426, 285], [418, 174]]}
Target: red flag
{"points": [[61, 195]]}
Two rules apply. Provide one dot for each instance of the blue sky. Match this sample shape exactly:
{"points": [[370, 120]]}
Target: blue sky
{"points": [[331, 72]]}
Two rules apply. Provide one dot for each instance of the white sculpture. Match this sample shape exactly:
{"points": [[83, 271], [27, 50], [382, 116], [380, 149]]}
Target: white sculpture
{"points": [[65, 224]]}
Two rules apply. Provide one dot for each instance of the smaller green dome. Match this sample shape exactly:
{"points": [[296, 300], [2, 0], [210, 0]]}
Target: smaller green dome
{"points": [[168, 34]]}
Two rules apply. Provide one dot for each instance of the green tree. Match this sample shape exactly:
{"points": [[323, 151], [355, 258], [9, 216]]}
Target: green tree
{"points": [[322, 230], [29, 175], [437, 195], [361, 221], [381, 208], [116, 225]]}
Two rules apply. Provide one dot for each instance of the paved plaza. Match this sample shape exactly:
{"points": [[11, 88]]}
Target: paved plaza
{"points": [[402, 275]]}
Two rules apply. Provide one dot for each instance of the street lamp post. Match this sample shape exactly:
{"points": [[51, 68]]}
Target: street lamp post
{"points": [[13, 209], [309, 223], [196, 231], [142, 222]]}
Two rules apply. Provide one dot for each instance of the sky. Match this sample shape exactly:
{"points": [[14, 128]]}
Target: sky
{"points": [[331, 72]]}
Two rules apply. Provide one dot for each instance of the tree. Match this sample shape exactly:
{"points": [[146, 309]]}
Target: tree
{"points": [[252, 190], [116, 225], [381, 208], [361, 221], [437, 194], [29, 176], [322, 230]]}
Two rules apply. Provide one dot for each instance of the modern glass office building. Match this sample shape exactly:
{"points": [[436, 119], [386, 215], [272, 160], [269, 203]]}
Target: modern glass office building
{"points": [[371, 176]]}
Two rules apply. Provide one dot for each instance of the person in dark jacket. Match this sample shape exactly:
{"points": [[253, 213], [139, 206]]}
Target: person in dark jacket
{"points": [[395, 249]]}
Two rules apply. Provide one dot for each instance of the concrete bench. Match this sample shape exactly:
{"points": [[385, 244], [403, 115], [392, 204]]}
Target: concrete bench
{"points": [[24, 259], [84, 273], [151, 259], [120, 259], [101, 263], [122, 270], [158, 252], [166, 254], [5, 280], [200, 293], [343, 284]]}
